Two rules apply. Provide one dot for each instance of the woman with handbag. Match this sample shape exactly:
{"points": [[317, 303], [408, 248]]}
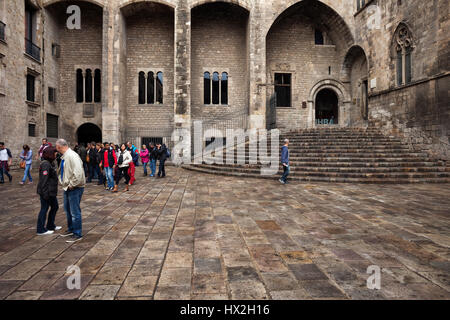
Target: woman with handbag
{"points": [[123, 162], [27, 159], [47, 189]]}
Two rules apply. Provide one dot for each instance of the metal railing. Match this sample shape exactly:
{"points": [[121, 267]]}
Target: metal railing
{"points": [[135, 135], [32, 49], [2, 31]]}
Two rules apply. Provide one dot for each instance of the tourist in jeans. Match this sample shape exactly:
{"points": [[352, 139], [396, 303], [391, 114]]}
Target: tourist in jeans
{"points": [[123, 162], [72, 178], [285, 161], [153, 157], [27, 156], [145, 157], [109, 164], [47, 189], [5, 162], [162, 157]]}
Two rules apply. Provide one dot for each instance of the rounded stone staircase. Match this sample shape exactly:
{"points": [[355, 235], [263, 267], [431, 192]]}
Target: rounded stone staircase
{"points": [[342, 155]]}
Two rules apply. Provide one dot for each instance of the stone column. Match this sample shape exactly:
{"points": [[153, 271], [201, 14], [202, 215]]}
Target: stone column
{"points": [[182, 92], [257, 69], [113, 60], [181, 135]]}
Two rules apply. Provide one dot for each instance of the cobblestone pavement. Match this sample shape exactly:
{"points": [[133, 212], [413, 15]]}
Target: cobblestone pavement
{"points": [[198, 236]]}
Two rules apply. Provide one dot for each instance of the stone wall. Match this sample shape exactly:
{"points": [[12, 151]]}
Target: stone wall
{"points": [[150, 47], [79, 49], [219, 44], [248, 38], [418, 112]]}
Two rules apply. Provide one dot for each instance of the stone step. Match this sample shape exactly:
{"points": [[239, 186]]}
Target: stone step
{"points": [[256, 168], [345, 153], [336, 136], [345, 140], [396, 180], [356, 158], [368, 164]]}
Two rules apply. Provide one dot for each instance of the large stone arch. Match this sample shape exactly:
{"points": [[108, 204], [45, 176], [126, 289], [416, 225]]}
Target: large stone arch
{"points": [[100, 3], [290, 4], [355, 76], [351, 55], [291, 49], [343, 101], [246, 4], [126, 3]]}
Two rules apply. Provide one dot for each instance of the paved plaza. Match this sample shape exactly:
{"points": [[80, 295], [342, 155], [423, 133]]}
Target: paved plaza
{"points": [[199, 236]]}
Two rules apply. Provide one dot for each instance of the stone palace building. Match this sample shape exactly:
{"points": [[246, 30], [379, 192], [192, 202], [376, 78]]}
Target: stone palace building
{"points": [[140, 69]]}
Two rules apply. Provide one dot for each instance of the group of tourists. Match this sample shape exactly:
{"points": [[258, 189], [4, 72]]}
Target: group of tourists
{"points": [[109, 162]]}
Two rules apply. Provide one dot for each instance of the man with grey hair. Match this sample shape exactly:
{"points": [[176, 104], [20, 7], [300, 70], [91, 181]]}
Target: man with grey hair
{"points": [[285, 161], [72, 178]]}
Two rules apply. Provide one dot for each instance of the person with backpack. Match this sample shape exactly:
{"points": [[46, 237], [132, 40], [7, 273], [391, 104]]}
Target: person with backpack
{"points": [[27, 159], [162, 157], [47, 189], [5, 162]]}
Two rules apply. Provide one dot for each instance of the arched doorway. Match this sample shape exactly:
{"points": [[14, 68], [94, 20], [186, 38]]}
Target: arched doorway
{"points": [[89, 132], [327, 107], [355, 74]]}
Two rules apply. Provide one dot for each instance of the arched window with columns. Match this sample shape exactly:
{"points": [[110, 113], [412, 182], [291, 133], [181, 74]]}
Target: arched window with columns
{"points": [[141, 88], [80, 83], [207, 88], [402, 48], [151, 87]]}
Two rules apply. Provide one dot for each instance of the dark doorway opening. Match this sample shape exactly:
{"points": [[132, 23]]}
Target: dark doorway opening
{"points": [[89, 132], [327, 107], [148, 140]]}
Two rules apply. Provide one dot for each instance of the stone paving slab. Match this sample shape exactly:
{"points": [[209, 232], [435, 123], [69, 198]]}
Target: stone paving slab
{"points": [[198, 236]]}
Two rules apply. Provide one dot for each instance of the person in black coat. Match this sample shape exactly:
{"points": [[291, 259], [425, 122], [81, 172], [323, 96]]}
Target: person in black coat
{"points": [[162, 157], [153, 158], [47, 189], [94, 169]]}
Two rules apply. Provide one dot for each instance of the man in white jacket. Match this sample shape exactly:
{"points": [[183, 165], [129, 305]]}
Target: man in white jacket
{"points": [[72, 178]]}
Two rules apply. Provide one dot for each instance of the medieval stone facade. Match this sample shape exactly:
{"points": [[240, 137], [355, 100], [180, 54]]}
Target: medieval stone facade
{"points": [[140, 69]]}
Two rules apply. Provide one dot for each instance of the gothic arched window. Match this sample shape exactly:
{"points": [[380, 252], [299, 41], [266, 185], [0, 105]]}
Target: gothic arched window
{"points": [[207, 88], [159, 87], [141, 89], [88, 86], [402, 51], [151, 88], [97, 86], [215, 88], [80, 96], [224, 88]]}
